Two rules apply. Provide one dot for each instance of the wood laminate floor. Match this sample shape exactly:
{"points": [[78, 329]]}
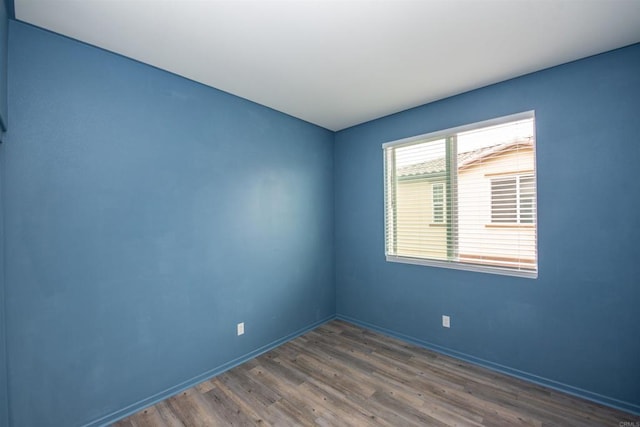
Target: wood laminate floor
{"points": [[343, 375]]}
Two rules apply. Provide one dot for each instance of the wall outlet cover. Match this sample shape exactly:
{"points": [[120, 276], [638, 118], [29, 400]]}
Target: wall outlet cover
{"points": [[446, 321]]}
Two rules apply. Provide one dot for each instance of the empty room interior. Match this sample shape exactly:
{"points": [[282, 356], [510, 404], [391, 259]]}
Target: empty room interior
{"points": [[332, 213]]}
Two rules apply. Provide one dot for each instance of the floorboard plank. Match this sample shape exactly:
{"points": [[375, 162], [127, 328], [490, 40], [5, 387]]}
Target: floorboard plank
{"points": [[342, 375]]}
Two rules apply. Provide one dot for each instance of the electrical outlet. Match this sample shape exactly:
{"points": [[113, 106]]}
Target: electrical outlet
{"points": [[446, 321], [240, 328]]}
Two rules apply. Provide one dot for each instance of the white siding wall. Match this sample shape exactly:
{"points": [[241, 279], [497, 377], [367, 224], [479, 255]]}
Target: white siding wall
{"points": [[417, 235], [476, 185]]}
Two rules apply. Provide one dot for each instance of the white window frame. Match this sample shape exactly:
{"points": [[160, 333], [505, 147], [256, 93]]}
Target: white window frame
{"points": [[457, 265]]}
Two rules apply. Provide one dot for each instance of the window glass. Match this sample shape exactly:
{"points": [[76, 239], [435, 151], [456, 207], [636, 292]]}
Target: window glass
{"points": [[465, 197]]}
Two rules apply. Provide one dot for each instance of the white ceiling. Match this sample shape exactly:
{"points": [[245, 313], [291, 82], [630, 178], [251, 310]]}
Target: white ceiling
{"points": [[340, 63]]}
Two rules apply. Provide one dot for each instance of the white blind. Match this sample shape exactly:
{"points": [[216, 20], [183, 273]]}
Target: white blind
{"points": [[465, 197]]}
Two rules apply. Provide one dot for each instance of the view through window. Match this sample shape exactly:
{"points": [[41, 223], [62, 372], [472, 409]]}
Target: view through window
{"points": [[465, 197]]}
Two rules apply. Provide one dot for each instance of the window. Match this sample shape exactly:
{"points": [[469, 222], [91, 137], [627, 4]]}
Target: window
{"points": [[464, 198], [437, 202], [512, 200]]}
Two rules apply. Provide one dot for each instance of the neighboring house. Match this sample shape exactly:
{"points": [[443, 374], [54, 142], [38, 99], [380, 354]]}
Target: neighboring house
{"points": [[495, 203]]}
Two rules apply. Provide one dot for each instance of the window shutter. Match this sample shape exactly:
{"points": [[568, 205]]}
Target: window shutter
{"points": [[464, 198]]}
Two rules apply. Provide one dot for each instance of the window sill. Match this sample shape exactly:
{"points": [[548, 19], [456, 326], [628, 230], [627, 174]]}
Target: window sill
{"points": [[456, 265]]}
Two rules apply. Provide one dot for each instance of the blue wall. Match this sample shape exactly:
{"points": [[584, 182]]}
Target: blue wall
{"points": [[577, 324], [4, 36], [4, 396], [145, 216]]}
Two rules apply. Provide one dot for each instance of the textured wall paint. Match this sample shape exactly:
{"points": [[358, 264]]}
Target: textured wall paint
{"points": [[4, 396], [145, 216], [4, 35], [578, 322]]}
